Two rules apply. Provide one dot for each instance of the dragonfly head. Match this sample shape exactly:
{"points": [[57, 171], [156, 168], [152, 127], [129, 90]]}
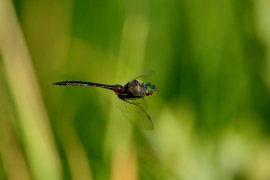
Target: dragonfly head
{"points": [[150, 89], [118, 89]]}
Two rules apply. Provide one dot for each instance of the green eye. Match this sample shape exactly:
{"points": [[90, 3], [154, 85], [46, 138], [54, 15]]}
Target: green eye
{"points": [[149, 86]]}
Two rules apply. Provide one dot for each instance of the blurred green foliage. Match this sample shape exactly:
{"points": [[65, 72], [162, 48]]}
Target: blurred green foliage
{"points": [[211, 110]]}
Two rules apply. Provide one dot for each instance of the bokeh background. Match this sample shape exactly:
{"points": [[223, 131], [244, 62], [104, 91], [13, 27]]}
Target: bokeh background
{"points": [[211, 111]]}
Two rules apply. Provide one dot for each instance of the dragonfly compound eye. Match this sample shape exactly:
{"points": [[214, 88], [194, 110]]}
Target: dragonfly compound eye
{"points": [[150, 89]]}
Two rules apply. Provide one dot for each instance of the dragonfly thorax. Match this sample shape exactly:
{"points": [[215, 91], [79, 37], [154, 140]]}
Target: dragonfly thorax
{"points": [[137, 89]]}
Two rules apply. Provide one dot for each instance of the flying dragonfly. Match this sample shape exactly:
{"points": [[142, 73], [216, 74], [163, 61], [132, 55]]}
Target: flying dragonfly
{"points": [[130, 99]]}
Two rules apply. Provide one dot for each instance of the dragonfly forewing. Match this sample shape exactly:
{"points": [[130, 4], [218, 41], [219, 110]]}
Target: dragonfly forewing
{"points": [[134, 111]]}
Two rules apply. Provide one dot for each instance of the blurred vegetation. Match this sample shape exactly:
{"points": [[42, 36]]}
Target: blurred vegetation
{"points": [[211, 110]]}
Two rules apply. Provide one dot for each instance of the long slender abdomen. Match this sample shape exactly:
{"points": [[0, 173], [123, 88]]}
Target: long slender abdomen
{"points": [[72, 83], [82, 83]]}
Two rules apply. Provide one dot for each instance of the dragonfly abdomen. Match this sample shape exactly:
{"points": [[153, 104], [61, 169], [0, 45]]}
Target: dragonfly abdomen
{"points": [[118, 89], [71, 83], [82, 83]]}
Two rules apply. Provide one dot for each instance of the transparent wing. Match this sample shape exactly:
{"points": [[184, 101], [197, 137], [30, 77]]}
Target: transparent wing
{"points": [[144, 74], [134, 111]]}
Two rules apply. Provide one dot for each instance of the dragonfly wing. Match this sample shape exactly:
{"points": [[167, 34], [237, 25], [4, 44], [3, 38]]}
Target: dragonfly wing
{"points": [[144, 75], [134, 111]]}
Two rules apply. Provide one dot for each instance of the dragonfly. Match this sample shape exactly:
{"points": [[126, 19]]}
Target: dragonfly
{"points": [[129, 98]]}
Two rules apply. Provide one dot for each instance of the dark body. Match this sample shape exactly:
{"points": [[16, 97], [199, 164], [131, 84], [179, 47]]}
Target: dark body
{"points": [[130, 99]]}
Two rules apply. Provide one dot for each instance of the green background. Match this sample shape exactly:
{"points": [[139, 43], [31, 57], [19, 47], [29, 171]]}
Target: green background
{"points": [[211, 110]]}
